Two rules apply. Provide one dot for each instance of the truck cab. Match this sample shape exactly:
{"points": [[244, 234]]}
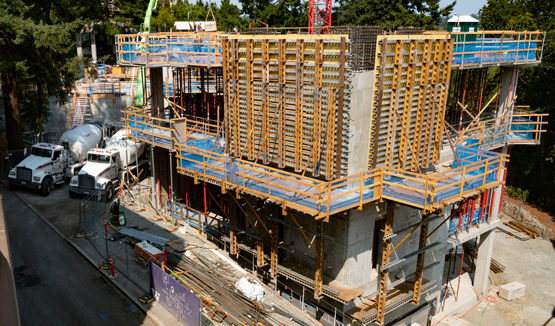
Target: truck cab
{"points": [[40, 170], [101, 172]]}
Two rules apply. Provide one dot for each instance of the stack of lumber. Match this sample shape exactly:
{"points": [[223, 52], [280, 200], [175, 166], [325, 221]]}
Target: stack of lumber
{"points": [[512, 232], [522, 228]]}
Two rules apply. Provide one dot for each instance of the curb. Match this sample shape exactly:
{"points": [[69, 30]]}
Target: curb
{"points": [[117, 284]]}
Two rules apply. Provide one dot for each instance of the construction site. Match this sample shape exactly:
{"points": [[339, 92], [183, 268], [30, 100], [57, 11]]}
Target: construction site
{"points": [[352, 174]]}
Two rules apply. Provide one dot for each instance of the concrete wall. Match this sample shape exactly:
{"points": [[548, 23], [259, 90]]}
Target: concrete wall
{"points": [[529, 216], [349, 258], [362, 86], [104, 108]]}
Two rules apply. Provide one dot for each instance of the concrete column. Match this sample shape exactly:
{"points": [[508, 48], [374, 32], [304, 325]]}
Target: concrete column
{"points": [[157, 91], [153, 177], [93, 46], [507, 93], [171, 192], [485, 250], [80, 51]]}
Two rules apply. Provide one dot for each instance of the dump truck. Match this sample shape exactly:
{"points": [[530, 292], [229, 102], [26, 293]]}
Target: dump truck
{"points": [[106, 167], [52, 164]]}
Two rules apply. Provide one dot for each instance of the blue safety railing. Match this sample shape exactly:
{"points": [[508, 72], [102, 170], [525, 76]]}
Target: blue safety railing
{"points": [[494, 48]]}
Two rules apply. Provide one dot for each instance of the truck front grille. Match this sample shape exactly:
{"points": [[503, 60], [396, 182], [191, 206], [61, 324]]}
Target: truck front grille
{"points": [[24, 174], [86, 181]]}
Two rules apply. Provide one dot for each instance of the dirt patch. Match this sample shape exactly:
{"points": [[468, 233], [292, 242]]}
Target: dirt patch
{"points": [[530, 263]]}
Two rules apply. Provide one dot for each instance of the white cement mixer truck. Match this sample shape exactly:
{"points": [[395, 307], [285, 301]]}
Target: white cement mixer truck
{"points": [[106, 167], [51, 164]]}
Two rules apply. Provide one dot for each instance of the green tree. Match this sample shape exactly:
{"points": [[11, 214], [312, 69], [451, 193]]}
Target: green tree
{"points": [[164, 21], [37, 57], [425, 13], [500, 15], [228, 17], [531, 168], [279, 13]]}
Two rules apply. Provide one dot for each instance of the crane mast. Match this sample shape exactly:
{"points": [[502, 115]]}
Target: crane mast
{"points": [[319, 16]]}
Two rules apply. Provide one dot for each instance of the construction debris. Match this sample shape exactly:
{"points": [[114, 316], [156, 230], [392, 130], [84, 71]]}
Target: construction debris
{"points": [[251, 288], [218, 285], [140, 235], [510, 231], [522, 228]]}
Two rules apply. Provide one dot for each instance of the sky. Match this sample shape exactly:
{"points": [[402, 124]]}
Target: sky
{"points": [[464, 6]]}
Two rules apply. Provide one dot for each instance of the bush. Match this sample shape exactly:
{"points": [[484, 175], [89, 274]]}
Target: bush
{"points": [[517, 193]]}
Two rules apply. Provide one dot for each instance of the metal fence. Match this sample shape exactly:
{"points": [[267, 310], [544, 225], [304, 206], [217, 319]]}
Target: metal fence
{"points": [[97, 224]]}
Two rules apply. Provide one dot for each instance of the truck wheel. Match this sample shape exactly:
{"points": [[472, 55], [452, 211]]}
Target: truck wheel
{"points": [[109, 192], [72, 194], [45, 187]]}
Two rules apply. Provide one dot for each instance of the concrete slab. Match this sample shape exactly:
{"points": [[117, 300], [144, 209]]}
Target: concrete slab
{"points": [[471, 233], [466, 297], [452, 321], [512, 291]]}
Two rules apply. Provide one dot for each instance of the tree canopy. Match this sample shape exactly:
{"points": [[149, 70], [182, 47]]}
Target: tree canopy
{"points": [[420, 13], [37, 58], [531, 168]]}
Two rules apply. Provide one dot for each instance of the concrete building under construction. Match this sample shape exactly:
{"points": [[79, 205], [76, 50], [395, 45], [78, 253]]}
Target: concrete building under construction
{"points": [[345, 166]]}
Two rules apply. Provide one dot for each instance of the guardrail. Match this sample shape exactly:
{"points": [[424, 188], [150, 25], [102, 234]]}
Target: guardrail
{"points": [[151, 130], [176, 49], [480, 170], [521, 128], [494, 48], [199, 154]]}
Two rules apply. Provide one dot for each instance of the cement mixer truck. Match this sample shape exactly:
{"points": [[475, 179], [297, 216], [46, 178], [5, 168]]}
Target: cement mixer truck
{"points": [[106, 167], [51, 164]]}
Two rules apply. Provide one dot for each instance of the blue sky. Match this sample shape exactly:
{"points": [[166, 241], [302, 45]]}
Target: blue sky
{"points": [[465, 6]]}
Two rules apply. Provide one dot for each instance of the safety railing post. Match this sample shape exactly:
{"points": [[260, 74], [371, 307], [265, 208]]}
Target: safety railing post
{"points": [[482, 48], [543, 43], [329, 200], [518, 48], [361, 187], [463, 49], [462, 181], [485, 174]]}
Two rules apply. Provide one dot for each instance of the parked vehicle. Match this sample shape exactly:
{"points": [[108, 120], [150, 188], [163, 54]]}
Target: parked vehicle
{"points": [[105, 168], [52, 164]]}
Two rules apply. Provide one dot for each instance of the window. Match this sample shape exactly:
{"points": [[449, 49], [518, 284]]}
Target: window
{"points": [[456, 29], [42, 152], [471, 29], [56, 155], [98, 158]]}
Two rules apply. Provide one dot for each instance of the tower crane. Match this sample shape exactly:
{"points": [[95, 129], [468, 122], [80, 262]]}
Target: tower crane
{"points": [[319, 16]]}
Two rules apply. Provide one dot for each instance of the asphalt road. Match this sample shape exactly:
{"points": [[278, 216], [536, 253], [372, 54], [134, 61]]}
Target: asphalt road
{"points": [[55, 284]]}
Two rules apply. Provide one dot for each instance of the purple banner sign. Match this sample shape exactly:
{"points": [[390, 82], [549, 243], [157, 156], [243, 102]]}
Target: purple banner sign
{"points": [[174, 296]]}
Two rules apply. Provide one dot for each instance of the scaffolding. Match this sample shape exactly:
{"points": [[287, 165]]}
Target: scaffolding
{"points": [[253, 113]]}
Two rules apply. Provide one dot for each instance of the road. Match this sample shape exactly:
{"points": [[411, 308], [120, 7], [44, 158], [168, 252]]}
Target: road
{"points": [[55, 284]]}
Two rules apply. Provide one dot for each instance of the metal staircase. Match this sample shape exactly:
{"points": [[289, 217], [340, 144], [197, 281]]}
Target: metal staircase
{"points": [[79, 113]]}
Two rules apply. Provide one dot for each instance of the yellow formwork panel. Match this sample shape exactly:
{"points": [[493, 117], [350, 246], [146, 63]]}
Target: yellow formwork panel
{"points": [[282, 91], [410, 86]]}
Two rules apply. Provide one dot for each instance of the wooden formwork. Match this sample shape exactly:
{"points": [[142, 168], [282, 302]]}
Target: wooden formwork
{"points": [[284, 100], [410, 90]]}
